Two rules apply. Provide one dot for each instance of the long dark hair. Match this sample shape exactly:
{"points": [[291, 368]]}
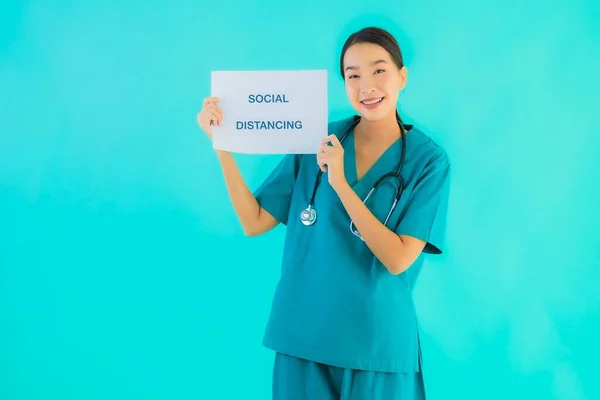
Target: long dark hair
{"points": [[382, 38]]}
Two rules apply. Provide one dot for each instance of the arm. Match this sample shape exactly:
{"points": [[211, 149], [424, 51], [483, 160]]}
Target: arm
{"points": [[254, 219], [396, 252]]}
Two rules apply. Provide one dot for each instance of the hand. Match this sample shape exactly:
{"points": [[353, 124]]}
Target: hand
{"points": [[211, 114], [331, 160]]}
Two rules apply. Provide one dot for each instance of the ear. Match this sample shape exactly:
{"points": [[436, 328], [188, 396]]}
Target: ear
{"points": [[402, 74]]}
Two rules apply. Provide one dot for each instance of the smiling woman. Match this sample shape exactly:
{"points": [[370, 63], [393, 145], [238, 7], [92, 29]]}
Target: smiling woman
{"points": [[373, 60], [355, 335]]}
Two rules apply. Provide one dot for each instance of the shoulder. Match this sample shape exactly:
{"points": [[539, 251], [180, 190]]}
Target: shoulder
{"points": [[431, 153]]}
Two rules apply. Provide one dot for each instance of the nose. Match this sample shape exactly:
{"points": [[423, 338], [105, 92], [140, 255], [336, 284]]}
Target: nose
{"points": [[366, 92], [366, 87]]}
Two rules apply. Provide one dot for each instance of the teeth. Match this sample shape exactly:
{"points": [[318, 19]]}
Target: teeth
{"points": [[373, 101]]}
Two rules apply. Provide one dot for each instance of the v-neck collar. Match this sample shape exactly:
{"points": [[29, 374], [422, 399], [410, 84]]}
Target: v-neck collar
{"points": [[387, 162]]}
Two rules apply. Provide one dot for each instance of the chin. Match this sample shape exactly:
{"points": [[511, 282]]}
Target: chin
{"points": [[375, 115]]}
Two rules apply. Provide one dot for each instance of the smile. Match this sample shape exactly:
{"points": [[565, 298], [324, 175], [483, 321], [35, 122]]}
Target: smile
{"points": [[372, 101]]}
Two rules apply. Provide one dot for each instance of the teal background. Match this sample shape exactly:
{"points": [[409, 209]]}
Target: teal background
{"points": [[125, 275]]}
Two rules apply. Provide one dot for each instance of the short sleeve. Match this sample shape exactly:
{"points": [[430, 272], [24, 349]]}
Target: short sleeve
{"points": [[275, 193], [427, 207]]}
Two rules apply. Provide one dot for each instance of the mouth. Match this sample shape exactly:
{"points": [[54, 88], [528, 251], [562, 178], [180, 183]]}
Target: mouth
{"points": [[372, 101]]}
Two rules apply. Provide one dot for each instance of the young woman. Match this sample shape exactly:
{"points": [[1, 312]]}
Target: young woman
{"points": [[343, 322]]}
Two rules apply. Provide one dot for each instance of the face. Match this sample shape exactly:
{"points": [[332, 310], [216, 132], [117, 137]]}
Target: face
{"points": [[373, 81]]}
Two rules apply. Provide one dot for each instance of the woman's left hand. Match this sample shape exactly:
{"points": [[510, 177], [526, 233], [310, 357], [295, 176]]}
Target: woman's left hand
{"points": [[331, 160]]}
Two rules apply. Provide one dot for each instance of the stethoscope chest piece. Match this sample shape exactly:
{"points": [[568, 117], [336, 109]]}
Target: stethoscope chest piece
{"points": [[308, 216]]}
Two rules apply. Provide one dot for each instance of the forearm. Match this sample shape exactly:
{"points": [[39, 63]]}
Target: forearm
{"points": [[244, 203], [385, 244]]}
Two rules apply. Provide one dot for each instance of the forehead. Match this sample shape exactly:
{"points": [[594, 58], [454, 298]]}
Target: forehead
{"points": [[361, 54]]}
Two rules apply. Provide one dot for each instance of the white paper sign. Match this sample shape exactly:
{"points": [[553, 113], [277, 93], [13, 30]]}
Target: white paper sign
{"points": [[270, 112]]}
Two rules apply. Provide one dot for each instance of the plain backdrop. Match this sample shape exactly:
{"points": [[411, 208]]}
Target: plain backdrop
{"points": [[124, 273]]}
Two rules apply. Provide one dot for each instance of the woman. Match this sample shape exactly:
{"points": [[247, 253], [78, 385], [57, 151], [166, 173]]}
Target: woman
{"points": [[343, 322]]}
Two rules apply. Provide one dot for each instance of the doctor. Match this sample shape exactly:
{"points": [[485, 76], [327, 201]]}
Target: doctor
{"points": [[343, 323]]}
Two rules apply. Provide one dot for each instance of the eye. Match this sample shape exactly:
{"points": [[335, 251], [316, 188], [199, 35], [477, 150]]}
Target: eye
{"points": [[379, 70], [352, 76]]}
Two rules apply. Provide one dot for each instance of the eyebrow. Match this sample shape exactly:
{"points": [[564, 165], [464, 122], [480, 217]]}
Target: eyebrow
{"points": [[380, 61]]}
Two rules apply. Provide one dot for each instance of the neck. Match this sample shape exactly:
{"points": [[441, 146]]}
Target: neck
{"points": [[385, 129]]}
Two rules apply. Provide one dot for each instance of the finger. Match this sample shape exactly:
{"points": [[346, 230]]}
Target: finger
{"points": [[326, 139], [320, 163], [335, 141], [323, 166], [219, 112], [326, 159], [325, 146], [214, 109], [210, 100], [331, 150], [214, 118], [330, 139], [207, 111], [212, 106]]}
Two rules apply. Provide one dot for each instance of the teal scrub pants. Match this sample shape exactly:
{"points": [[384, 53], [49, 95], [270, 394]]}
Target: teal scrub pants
{"points": [[298, 379]]}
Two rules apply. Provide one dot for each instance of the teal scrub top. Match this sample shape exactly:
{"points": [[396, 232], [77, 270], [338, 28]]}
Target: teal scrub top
{"points": [[335, 303]]}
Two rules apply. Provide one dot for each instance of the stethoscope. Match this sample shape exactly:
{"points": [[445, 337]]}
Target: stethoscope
{"points": [[308, 216]]}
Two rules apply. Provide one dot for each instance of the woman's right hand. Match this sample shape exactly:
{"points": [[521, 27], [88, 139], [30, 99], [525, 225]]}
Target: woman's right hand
{"points": [[211, 114]]}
